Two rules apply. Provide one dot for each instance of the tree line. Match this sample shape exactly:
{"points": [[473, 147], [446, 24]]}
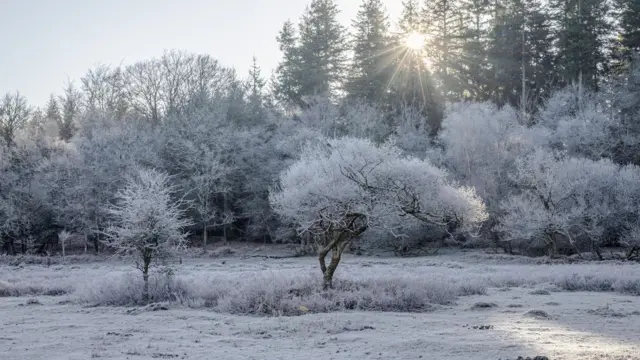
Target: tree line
{"points": [[454, 149]]}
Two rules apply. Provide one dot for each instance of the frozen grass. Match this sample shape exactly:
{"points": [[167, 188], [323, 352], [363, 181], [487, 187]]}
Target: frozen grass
{"points": [[292, 286], [29, 289], [276, 293]]}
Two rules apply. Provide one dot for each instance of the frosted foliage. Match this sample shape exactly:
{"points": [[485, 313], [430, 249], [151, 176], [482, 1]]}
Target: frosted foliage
{"points": [[353, 175], [145, 219], [365, 121], [579, 127], [481, 143], [322, 115], [412, 132], [627, 201], [7, 178], [575, 198]]}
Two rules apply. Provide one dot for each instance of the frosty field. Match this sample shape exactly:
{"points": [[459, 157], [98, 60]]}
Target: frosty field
{"points": [[477, 306]]}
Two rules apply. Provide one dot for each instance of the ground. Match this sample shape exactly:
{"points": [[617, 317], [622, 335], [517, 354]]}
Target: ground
{"points": [[523, 313]]}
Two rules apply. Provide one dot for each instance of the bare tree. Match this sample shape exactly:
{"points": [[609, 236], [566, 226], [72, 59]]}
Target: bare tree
{"points": [[104, 89], [144, 87], [14, 113]]}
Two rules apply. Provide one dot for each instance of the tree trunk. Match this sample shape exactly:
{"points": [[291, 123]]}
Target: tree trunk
{"points": [[596, 250], [321, 256], [204, 238], [224, 226], [551, 246], [145, 289], [64, 253], [10, 249], [96, 244], [631, 252], [86, 240], [331, 269], [146, 262]]}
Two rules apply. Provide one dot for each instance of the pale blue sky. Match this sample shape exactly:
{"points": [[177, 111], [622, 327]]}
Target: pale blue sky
{"points": [[46, 42]]}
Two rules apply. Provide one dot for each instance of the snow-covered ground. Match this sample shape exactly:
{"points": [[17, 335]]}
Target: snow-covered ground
{"points": [[525, 313]]}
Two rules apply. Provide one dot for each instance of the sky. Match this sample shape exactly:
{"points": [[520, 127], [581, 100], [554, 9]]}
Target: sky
{"points": [[46, 43]]}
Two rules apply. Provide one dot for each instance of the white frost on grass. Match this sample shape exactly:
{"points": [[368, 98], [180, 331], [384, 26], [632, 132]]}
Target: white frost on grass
{"points": [[72, 332]]}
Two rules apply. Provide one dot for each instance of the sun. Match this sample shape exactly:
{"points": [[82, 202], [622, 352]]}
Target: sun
{"points": [[414, 41]]}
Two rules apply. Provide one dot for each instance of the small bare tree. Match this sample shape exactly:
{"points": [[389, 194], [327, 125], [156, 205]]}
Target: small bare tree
{"points": [[14, 113], [147, 223], [64, 236]]}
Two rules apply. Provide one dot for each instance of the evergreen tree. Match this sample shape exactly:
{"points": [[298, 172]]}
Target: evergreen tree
{"points": [[322, 49], [473, 57], [372, 54], [412, 83], [582, 27], [445, 26], [70, 110], [256, 93], [287, 77], [628, 43], [520, 60], [411, 17], [53, 111]]}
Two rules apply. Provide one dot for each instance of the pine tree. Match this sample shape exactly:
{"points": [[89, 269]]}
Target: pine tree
{"points": [[322, 49], [445, 26], [411, 17], [473, 57], [70, 110], [286, 82], [370, 71], [628, 42], [412, 83], [581, 38], [256, 93], [520, 60], [53, 111]]}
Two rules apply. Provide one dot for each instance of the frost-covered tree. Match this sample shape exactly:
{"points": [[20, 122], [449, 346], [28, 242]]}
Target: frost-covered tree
{"points": [[339, 189], [146, 221], [564, 201], [580, 124], [144, 89], [480, 145]]}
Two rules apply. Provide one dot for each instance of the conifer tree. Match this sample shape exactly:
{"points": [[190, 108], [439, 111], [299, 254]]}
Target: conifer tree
{"points": [[628, 41], [256, 92], [372, 53], [445, 27], [287, 77], [322, 49], [411, 83], [53, 111], [520, 59], [70, 110], [582, 28]]}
